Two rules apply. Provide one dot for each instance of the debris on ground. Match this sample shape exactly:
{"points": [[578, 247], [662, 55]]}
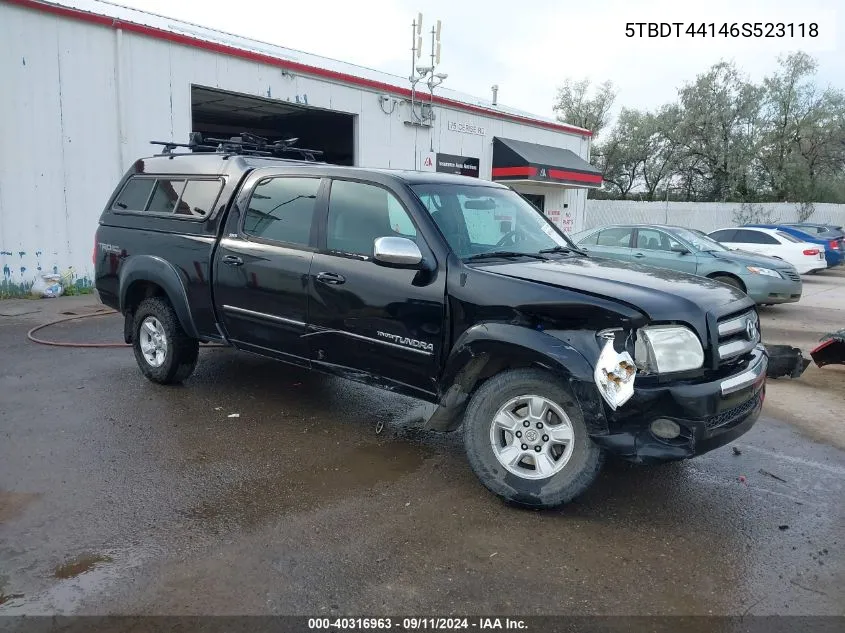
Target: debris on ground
{"points": [[47, 286], [831, 351], [234, 415], [379, 427], [783, 527], [741, 479], [737, 451], [772, 475], [785, 360], [8, 597]]}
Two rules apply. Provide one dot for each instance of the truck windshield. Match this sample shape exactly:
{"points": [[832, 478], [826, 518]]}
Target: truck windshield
{"points": [[478, 219]]}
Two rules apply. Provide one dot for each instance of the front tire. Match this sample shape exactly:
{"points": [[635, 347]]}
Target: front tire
{"points": [[526, 440], [164, 352], [730, 281]]}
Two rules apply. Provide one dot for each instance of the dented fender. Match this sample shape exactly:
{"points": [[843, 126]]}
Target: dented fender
{"points": [[485, 348]]}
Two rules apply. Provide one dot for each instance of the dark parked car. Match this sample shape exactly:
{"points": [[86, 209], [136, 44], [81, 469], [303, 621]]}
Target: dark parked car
{"points": [[831, 231], [447, 288], [834, 247]]}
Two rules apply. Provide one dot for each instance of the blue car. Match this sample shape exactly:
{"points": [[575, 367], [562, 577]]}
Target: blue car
{"points": [[833, 251]]}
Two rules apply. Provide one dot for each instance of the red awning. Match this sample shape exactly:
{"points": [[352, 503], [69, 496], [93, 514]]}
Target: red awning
{"points": [[523, 161]]}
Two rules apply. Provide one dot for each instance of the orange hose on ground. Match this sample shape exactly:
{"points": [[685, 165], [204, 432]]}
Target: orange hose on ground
{"points": [[31, 334]]}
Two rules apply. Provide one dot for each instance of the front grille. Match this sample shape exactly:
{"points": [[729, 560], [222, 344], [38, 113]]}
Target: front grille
{"points": [[790, 274], [737, 335], [731, 415]]}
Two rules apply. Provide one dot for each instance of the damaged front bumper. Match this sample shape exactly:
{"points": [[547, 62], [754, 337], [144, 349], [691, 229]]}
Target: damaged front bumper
{"points": [[705, 415]]}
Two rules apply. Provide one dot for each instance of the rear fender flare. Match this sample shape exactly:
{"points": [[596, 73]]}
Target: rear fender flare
{"points": [[154, 269], [486, 347]]}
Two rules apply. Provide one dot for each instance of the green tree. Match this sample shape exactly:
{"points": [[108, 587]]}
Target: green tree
{"points": [[789, 105], [577, 105], [718, 131]]}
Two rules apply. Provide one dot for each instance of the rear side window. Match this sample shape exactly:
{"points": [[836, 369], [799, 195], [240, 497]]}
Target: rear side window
{"points": [[788, 237], [282, 209], [590, 239], [616, 237], [165, 196], [754, 237], [135, 195], [192, 198]]}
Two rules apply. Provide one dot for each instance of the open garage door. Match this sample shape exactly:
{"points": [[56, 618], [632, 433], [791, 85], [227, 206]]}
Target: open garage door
{"points": [[225, 114]]}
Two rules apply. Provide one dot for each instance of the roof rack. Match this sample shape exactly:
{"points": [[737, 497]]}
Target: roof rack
{"points": [[246, 145]]}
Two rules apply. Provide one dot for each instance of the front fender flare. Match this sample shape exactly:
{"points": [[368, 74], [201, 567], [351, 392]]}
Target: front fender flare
{"points": [[486, 345], [154, 269]]}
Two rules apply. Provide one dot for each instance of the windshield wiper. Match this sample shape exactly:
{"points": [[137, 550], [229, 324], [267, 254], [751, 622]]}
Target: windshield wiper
{"points": [[557, 249], [504, 254]]}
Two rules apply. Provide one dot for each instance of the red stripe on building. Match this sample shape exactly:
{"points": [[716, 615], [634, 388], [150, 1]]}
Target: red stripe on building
{"points": [[503, 172], [560, 174], [224, 49]]}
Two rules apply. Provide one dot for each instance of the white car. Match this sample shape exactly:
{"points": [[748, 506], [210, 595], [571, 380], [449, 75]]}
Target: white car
{"points": [[806, 257]]}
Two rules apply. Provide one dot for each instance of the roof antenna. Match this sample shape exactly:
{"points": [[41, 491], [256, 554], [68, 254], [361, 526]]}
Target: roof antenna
{"points": [[495, 90]]}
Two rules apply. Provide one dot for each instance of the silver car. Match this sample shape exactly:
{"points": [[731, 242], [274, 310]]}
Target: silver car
{"points": [[767, 280]]}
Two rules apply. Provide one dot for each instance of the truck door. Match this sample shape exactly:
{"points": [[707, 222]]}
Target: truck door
{"points": [[371, 321], [262, 264]]}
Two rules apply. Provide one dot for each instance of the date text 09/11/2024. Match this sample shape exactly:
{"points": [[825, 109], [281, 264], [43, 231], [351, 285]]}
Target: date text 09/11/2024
{"points": [[714, 29], [417, 623]]}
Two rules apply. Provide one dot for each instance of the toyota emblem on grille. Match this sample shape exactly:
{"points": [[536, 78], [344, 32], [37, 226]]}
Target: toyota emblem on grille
{"points": [[751, 329]]}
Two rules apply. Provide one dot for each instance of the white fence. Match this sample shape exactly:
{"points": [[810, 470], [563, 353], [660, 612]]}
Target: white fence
{"points": [[705, 216]]}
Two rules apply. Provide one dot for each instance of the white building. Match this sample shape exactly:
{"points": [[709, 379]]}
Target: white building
{"points": [[87, 85]]}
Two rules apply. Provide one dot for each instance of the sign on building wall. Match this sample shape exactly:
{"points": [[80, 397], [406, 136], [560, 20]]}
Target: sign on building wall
{"points": [[467, 128], [452, 164], [565, 220]]}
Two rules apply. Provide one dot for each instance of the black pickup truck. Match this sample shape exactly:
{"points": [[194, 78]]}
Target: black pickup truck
{"points": [[450, 289]]}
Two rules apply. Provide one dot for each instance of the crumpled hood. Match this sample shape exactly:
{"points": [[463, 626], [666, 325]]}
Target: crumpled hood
{"points": [[662, 294]]}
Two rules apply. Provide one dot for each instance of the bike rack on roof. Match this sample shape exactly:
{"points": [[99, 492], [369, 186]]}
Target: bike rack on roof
{"points": [[244, 145]]}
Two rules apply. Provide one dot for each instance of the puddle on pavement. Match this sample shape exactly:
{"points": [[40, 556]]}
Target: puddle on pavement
{"points": [[12, 504], [310, 478], [80, 565]]}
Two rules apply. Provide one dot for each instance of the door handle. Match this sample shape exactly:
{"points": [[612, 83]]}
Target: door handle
{"points": [[331, 278], [639, 254], [233, 260]]}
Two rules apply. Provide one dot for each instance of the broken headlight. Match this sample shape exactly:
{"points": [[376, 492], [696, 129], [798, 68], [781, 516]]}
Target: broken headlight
{"points": [[614, 374], [664, 349]]}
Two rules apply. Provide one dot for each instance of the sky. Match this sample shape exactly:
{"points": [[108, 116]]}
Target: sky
{"points": [[529, 48]]}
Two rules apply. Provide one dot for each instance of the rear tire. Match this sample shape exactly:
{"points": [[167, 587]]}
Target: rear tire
{"points": [[730, 281], [572, 465], [164, 352]]}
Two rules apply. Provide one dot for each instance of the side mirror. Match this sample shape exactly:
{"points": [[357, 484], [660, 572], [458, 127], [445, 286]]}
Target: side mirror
{"points": [[680, 250], [397, 252]]}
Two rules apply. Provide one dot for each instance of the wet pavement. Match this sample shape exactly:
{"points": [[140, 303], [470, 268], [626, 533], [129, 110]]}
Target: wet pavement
{"points": [[120, 496]]}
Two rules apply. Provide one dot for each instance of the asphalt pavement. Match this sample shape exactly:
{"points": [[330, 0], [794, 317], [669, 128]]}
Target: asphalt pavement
{"points": [[256, 488]]}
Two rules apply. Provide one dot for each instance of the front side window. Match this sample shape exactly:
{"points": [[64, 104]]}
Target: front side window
{"points": [[699, 241], [360, 213], [477, 219], [282, 209], [725, 235]]}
